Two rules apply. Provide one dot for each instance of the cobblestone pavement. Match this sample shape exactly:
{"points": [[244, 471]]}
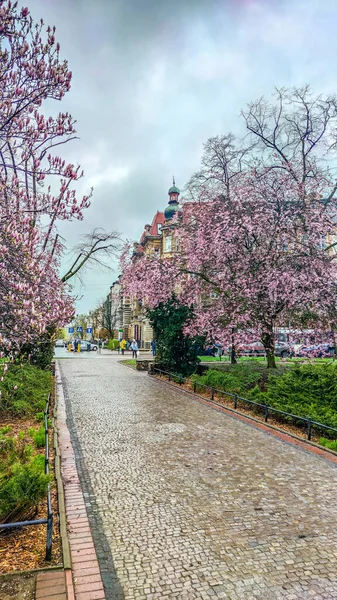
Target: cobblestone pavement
{"points": [[185, 502]]}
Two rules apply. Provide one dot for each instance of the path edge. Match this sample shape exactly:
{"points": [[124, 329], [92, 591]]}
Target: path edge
{"points": [[68, 477], [290, 438]]}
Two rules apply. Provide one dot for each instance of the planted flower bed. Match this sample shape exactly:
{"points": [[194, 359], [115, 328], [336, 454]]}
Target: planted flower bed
{"points": [[23, 481]]}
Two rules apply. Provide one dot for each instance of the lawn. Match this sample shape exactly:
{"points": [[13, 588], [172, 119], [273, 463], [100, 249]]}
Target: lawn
{"points": [[131, 362], [262, 359], [213, 358]]}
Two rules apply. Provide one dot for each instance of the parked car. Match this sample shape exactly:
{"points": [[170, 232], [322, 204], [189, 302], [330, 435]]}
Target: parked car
{"points": [[87, 346], [84, 346], [282, 349], [59, 344], [316, 350], [252, 349]]}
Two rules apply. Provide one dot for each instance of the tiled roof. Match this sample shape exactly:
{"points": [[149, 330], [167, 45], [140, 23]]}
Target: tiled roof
{"points": [[158, 219]]}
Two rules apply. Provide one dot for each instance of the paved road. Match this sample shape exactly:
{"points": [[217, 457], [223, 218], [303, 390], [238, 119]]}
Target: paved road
{"points": [[188, 503]]}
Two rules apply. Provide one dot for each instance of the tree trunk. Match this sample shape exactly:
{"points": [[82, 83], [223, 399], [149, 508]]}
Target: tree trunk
{"points": [[268, 342], [333, 340], [233, 353], [271, 363]]}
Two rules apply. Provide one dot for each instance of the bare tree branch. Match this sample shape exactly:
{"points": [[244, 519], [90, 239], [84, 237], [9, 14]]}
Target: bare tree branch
{"points": [[96, 247]]}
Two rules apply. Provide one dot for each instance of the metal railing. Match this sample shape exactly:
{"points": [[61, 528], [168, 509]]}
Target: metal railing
{"points": [[266, 409], [49, 519]]}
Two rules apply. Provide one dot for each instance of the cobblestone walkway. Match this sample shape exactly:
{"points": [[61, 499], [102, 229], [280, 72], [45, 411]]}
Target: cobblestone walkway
{"points": [[185, 502]]}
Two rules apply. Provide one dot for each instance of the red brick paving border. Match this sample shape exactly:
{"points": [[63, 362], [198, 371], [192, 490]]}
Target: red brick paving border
{"points": [[286, 437], [85, 568], [51, 585]]}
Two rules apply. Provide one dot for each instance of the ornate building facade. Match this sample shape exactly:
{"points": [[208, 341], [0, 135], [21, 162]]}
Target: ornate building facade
{"points": [[157, 239]]}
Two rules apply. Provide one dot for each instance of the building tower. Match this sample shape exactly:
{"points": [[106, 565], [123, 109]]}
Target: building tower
{"points": [[173, 202]]}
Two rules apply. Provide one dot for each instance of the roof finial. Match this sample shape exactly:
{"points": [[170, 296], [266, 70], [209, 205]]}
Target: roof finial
{"points": [[173, 180]]}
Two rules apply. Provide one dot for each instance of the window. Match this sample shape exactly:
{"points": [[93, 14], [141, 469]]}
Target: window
{"points": [[168, 243], [285, 245], [322, 244]]}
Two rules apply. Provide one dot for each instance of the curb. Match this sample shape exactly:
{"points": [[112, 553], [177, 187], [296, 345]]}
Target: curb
{"points": [[291, 438], [61, 502], [30, 572], [60, 492], [83, 579]]}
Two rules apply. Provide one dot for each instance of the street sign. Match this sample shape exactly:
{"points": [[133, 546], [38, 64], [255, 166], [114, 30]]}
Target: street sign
{"points": [[70, 330], [89, 329], [79, 329]]}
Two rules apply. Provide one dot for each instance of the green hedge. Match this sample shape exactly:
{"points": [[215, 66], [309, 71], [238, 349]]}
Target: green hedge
{"points": [[236, 379], [308, 390], [112, 344]]}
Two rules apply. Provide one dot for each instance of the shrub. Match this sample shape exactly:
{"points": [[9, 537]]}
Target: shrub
{"points": [[332, 444], [112, 345], [306, 390], [22, 479], [26, 486], [41, 352], [6, 429], [40, 438], [40, 417], [175, 351], [33, 386], [237, 379]]}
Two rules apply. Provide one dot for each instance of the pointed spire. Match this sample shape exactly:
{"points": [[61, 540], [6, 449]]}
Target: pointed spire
{"points": [[173, 180]]}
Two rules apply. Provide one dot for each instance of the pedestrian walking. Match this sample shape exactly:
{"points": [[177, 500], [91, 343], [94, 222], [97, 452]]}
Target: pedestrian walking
{"points": [[134, 348], [153, 347], [123, 345]]}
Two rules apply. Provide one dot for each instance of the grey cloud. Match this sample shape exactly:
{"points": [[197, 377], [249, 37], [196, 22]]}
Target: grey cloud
{"points": [[154, 79]]}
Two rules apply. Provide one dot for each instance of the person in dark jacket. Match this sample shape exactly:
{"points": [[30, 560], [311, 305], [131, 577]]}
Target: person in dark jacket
{"points": [[134, 348]]}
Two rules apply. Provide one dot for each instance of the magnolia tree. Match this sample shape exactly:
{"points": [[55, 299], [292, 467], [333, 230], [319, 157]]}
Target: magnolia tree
{"points": [[31, 297], [37, 186], [256, 241], [31, 72]]}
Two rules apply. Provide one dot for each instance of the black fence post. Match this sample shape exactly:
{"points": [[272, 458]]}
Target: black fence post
{"points": [[212, 391], [235, 401], [49, 535], [309, 428], [194, 387], [265, 413], [169, 376]]}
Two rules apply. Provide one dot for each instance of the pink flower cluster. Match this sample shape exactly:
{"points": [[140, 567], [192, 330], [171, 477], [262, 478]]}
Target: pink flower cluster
{"points": [[248, 263], [32, 297]]}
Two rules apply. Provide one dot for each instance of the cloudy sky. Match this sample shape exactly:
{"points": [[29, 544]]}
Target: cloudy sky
{"points": [[153, 79]]}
